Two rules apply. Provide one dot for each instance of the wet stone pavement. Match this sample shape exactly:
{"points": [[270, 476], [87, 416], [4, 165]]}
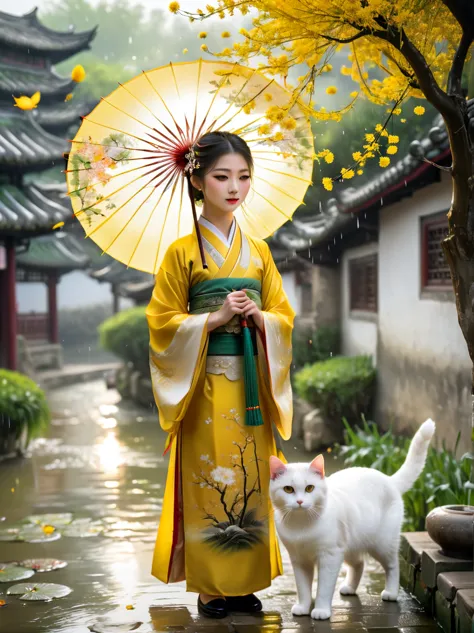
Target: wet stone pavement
{"points": [[103, 463]]}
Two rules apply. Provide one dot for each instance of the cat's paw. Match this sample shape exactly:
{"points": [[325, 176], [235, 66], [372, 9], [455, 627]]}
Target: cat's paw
{"points": [[389, 596], [321, 614], [300, 609], [347, 590]]}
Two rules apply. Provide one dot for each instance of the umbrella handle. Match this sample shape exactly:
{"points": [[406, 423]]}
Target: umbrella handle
{"points": [[196, 223]]}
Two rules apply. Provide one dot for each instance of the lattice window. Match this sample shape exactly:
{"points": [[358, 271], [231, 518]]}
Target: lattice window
{"points": [[434, 267], [363, 273]]}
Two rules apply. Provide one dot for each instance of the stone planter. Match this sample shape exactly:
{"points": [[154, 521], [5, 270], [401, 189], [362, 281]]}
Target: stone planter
{"points": [[451, 527]]}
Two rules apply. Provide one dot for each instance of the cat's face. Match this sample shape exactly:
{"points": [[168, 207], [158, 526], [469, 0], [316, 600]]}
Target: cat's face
{"points": [[297, 487]]}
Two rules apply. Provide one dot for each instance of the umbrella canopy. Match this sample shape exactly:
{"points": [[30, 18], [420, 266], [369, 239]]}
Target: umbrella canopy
{"points": [[125, 171]]}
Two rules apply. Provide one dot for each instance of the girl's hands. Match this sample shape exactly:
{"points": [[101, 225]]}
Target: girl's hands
{"points": [[236, 302]]}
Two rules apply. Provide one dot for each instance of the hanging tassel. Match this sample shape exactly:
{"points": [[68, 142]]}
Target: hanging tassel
{"points": [[253, 415]]}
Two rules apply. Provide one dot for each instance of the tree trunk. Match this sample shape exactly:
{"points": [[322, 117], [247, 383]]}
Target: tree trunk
{"points": [[459, 251]]}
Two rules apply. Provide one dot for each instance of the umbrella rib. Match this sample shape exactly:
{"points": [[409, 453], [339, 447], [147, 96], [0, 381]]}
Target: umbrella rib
{"points": [[106, 145], [219, 88], [243, 106], [111, 215], [282, 173], [246, 213], [180, 205], [187, 139], [122, 173], [166, 107], [196, 101], [288, 217], [112, 193], [246, 82], [125, 112], [166, 216], [144, 104], [130, 219], [146, 226], [278, 189], [107, 127]]}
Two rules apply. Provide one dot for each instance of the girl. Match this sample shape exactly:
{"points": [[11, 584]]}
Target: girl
{"points": [[220, 354]]}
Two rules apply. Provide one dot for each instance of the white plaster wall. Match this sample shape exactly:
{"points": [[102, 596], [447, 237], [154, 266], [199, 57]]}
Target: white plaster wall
{"points": [[423, 364], [359, 330], [293, 291], [426, 327]]}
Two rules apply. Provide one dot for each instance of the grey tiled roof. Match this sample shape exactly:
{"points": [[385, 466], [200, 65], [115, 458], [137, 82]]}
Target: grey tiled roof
{"points": [[59, 117], [57, 251], [18, 80], [29, 210], [24, 145], [309, 231], [25, 32]]}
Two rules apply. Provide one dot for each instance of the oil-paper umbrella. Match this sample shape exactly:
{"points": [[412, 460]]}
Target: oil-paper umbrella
{"points": [[126, 169]]}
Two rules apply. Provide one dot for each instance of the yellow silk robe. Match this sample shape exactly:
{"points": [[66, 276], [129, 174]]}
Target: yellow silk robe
{"points": [[216, 530]]}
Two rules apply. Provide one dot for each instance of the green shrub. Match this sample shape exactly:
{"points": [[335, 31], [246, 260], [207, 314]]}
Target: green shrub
{"points": [[80, 325], [125, 334], [341, 387], [444, 481], [314, 345], [22, 405]]}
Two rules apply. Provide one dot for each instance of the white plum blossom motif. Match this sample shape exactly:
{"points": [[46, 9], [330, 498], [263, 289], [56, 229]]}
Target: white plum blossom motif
{"points": [[205, 458], [208, 421], [223, 475]]}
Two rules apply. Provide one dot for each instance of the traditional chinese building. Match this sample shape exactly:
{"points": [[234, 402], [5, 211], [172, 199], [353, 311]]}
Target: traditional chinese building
{"points": [[28, 52], [380, 274]]}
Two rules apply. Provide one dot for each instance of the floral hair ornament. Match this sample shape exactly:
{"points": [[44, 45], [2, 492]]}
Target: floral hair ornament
{"points": [[192, 163]]}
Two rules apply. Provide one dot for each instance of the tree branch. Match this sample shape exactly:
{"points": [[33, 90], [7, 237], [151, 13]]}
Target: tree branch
{"points": [[348, 40], [441, 167], [463, 11], [455, 74], [426, 80]]}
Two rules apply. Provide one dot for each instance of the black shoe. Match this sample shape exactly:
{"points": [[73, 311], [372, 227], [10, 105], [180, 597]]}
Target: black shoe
{"points": [[214, 609], [244, 604]]}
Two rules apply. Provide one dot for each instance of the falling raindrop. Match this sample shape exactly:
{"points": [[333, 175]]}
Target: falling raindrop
{"points": [[320, 207], [381, 202], [130, 40], [357, 222]]}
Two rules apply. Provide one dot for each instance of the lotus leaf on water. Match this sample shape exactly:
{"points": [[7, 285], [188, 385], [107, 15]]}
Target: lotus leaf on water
{"points": [[10, 572], [83, 528], [57, 520], [42, 564], [41, 591], [106, 625], [32, 534]]}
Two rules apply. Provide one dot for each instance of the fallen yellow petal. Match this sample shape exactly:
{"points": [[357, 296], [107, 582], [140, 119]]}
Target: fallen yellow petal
{"points": [[49, 529], [130, 607], [78, 73], [58, 225], [68, 97]]}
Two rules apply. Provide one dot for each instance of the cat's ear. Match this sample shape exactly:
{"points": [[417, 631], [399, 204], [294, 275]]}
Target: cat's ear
{"points": [[317, 466], [277, 467]]}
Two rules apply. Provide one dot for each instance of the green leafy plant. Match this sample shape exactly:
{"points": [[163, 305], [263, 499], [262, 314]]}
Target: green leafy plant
{"points": [[444, 481], [126, 335], [22, 406], [314, 345], [340, 387]]}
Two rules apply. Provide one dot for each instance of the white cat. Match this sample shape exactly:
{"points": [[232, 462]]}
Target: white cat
{"points": [[341, 518]]}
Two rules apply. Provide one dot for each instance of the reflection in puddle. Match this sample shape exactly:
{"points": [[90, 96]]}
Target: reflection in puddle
{"points": [[110, 453]]}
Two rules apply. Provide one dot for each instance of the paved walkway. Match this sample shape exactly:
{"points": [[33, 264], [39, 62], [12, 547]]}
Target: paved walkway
{"points": [[103, 461]]}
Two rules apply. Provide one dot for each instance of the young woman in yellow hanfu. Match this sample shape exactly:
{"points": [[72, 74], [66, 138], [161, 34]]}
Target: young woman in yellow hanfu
{"points": [[220, 355]]}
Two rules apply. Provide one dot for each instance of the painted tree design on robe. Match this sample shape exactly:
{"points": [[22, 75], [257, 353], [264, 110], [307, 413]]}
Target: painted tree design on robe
{"points": [[233, 524]]}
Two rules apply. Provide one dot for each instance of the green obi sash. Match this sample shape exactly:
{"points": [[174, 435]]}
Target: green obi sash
{"points": [[235, 338]]}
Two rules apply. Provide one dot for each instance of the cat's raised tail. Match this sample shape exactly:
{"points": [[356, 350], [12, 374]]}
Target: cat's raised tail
{"points": [[414, 463]]}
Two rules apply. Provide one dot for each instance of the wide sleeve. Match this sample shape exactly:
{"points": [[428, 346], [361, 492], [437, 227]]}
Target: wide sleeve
{"points": [[275, 346], [178, 343]]}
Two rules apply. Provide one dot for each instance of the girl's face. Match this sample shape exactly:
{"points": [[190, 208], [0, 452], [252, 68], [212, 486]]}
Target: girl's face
{"points": [[226, 184]]}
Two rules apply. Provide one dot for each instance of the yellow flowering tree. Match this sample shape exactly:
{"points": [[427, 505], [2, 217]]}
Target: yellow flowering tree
{"points": [[397, 49]]}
